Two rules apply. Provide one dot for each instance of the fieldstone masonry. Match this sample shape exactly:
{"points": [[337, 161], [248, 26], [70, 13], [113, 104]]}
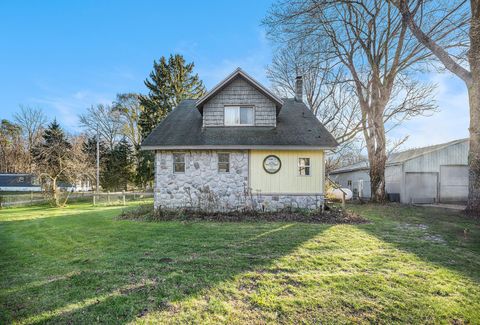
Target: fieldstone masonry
{"points": [[239, 92], [203, 187]]}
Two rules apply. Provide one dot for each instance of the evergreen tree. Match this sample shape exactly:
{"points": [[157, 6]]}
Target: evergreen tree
{"points": [[170, 82], [53, 158], [118, 171]]}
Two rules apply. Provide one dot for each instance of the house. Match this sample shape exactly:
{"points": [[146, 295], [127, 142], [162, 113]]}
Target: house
{"points": [[81, 185], [240, 146], [19, 183], [431, 174]]}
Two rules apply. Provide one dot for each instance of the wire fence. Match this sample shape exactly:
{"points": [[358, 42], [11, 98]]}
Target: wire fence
{"points": [[11, 199]]}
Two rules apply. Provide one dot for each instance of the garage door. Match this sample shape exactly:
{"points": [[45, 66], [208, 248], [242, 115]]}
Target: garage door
{"points": [[453, 183], [421, 187]]}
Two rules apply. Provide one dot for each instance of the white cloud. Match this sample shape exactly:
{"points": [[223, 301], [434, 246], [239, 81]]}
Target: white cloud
{"points": [[449, 123], [67, 108]]}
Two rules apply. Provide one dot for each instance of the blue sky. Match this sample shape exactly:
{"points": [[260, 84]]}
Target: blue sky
{"points": [[64, 56]]}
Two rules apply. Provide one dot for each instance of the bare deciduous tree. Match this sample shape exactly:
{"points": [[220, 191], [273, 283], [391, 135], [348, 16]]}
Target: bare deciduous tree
{"points": [[327, 94], [32, 121], [103, 119], [461, 48], [129, 108], [13, 156], [369, 40]]}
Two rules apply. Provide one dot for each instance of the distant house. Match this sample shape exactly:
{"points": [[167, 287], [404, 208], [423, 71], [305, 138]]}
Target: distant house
{"points": [[436, 173], [238, 145], [19, 183], [81, 185]]}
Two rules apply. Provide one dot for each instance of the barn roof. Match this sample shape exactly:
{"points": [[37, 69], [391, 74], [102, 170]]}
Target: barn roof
{"points": [[399, 157]]}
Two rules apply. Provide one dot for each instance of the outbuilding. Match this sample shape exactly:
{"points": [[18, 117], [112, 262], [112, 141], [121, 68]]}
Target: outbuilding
{"points": [[431, 174]]}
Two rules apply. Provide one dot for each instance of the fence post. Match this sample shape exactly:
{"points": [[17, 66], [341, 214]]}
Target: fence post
{"points": [[343, 200], [108, 197], [94, 199], [123, 194]]}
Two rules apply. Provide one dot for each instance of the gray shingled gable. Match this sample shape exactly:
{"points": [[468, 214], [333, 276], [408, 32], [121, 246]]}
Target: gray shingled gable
{"points": [[239, 73], [297, 127]]}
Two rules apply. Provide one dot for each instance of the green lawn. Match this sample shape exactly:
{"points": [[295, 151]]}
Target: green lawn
{"points": [[81, 265]]}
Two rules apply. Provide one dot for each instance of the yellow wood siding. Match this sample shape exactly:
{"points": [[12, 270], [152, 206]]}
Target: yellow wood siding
{"points": [[287, 180]]}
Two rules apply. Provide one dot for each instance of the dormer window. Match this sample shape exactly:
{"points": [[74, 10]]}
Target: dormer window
{"points": [[239, 115]]}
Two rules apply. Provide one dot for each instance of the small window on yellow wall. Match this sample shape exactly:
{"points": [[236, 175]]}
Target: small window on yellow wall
{"points": [[304, 166]]}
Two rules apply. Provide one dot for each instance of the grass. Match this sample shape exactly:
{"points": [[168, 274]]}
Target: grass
{"points": [[82, 265]]}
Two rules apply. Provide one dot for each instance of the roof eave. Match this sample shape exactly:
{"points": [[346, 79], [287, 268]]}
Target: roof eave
{"points": [[237, 147]]}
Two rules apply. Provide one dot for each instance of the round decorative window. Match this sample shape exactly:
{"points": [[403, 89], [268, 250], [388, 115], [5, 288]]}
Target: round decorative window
{"points": [[272, 164]]}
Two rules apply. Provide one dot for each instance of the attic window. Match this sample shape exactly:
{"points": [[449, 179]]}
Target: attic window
{"points": [[239, 115]]}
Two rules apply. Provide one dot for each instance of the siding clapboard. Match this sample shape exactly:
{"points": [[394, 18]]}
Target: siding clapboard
{"points": [[287, 179]]}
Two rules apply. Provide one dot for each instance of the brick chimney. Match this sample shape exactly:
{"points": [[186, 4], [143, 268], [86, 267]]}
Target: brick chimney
{"points": [[299, 89]]}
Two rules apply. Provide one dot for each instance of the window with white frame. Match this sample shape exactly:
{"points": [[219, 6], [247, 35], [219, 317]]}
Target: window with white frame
{"points": [[179, 163], [224, 162], [304, 166], [239, 115]]}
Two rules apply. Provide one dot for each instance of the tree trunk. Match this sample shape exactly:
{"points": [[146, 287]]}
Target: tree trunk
{"points": [[377, 161], [473, 204], [374, 132], [55, 193]]}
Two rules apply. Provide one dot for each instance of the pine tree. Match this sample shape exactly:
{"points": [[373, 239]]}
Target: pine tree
{"points": [[53, 157], [118, 170], [170, 82]]}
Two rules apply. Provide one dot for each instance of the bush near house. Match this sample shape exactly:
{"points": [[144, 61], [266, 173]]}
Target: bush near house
{"points": [[83, 265]]}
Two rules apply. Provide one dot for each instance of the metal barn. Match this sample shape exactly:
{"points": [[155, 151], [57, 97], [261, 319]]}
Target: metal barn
{"points": [[431, 174]]}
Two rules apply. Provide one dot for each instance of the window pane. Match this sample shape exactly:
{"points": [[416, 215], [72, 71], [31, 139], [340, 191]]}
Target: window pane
{"points": [[179, 168], [231, 115], [302, 162], [224, 167], [179, 158], [246, 115], [223, 157]]}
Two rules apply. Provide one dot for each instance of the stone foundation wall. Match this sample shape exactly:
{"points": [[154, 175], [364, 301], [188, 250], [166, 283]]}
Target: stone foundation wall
{"points": [[287, 201], [203, 187]]}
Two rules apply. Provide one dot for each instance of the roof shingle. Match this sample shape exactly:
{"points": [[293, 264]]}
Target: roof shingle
{"points": [[297, 127]]}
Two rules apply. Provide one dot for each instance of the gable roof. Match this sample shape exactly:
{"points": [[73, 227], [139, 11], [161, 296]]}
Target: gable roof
{"points": [[399, 157], [297, 128], [239, 73]]}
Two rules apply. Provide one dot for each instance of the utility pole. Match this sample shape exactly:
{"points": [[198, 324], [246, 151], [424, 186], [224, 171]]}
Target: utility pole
{"points": [[98, 160]]}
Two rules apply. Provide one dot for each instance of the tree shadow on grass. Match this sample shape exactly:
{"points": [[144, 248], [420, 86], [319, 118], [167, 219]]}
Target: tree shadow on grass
{"points": [[87, 268], [434, 235]]}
